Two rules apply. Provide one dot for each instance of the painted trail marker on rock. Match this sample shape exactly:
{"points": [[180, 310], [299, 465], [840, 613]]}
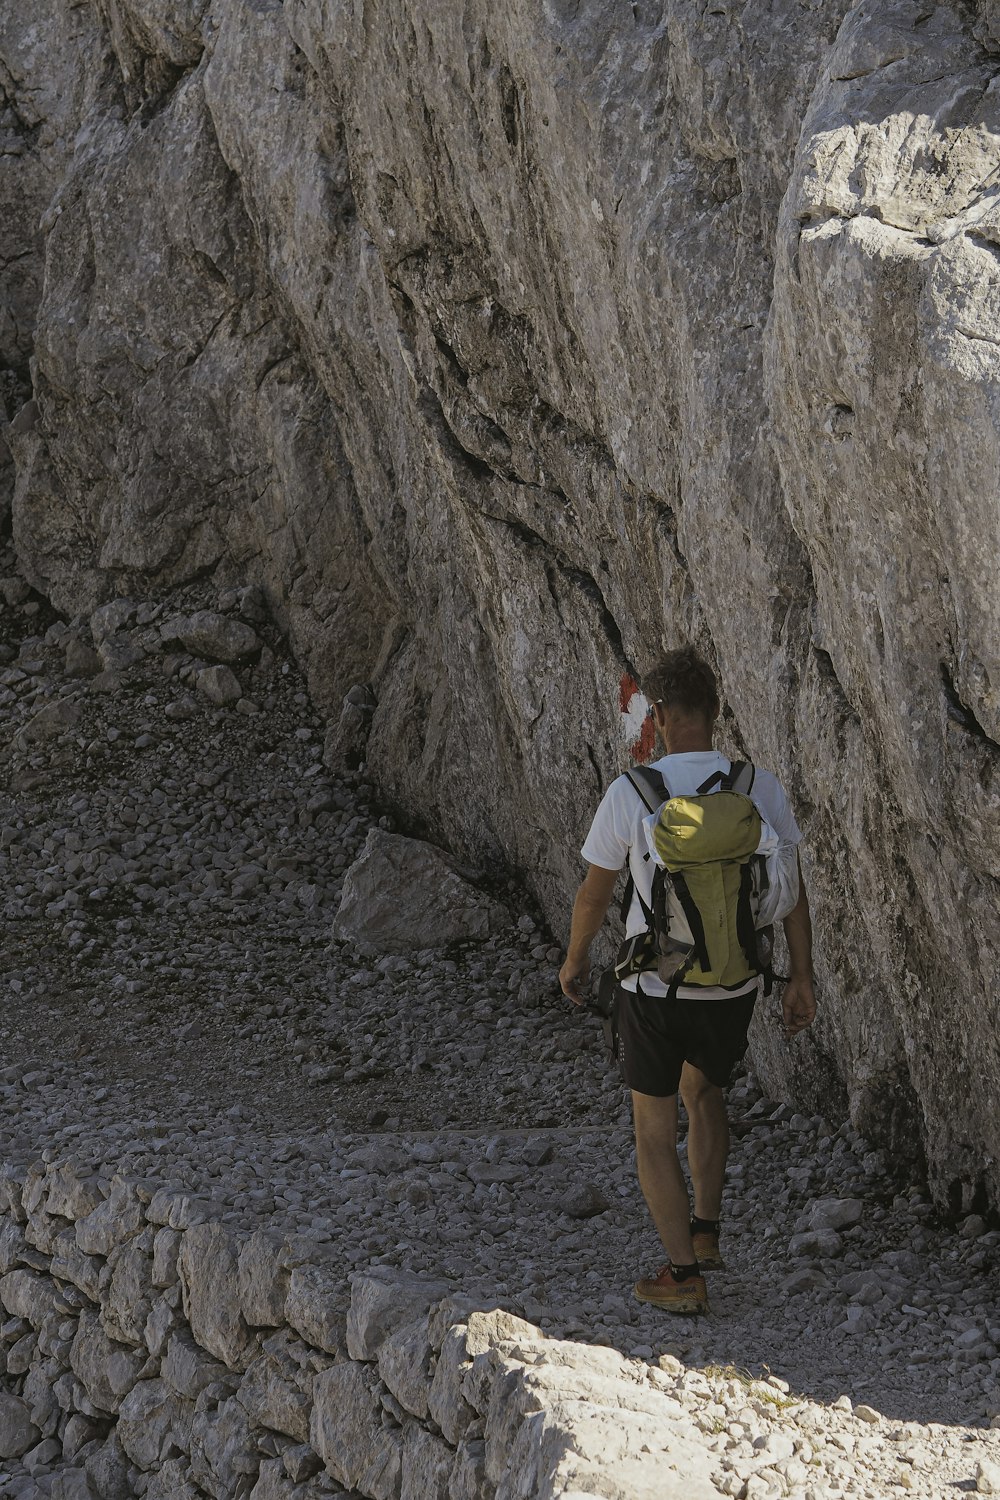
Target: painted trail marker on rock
{"points": [[637, 729]]}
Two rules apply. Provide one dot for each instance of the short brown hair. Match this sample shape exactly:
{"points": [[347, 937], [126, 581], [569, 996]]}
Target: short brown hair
{"points": [[683, 680]]}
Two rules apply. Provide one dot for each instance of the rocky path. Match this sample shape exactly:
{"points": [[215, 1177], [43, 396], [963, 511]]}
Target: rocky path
{"points": [[172, 851]]}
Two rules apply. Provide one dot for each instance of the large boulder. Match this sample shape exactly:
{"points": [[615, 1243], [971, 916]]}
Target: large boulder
{"points": [[402, 895], [207, 633]]}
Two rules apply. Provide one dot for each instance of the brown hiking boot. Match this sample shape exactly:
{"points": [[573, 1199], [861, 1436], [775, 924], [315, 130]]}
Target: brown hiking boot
{"points": [[688, 1296], [706, 1250]]}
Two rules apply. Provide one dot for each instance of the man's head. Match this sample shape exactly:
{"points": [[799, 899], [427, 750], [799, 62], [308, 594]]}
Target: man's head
{"points": [[684, 699]]}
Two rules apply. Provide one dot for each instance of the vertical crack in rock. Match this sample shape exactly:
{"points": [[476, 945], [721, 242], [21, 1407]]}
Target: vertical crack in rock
{"points": [[960, 713], [578, 577], [828, 672]]}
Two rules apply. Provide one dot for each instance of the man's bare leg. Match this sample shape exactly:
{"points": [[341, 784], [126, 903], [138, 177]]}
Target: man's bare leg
{"points": [[660, 1174], [707, 1142]]}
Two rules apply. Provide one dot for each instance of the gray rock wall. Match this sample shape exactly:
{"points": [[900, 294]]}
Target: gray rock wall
{"points": [[505, 345]]}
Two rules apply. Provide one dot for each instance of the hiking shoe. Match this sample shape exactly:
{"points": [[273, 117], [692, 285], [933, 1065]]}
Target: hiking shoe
{"points": [[690, 1296], [706, 1250]]}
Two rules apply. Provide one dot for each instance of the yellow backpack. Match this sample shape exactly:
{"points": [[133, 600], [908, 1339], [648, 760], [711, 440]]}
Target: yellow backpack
{"points": [[701, 927]]}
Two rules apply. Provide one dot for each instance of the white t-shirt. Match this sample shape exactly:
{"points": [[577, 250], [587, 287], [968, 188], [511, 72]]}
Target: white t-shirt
{"points": [[617, 835]]}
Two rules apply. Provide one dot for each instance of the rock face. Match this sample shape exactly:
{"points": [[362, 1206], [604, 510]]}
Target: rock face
{"points": [[504, 345]]}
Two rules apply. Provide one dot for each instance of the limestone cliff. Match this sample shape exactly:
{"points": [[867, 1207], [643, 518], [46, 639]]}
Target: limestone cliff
{"points": [[503, 345]]}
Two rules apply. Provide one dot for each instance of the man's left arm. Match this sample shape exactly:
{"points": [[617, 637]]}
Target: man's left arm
{"points": [[798, 1003], [589, 910]]}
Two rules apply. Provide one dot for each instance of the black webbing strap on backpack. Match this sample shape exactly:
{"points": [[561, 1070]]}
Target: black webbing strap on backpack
{"points": [[742, 774], [745, 929], [694, 921], [739, 778], [650, 784], [638, 952], [653, 791]]}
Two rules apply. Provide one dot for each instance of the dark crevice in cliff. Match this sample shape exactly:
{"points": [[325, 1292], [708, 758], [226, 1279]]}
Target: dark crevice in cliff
{"points": [[275, 364], [555, 424], [978, 338], [885, 62], [824, 213], [598, 773], [429, 405], [828, 673], [476, 466], [493, 458], [589, 586], [11, 260], [160, 82], [510, 107], [578, 577], [963, 1199], [666, 520], [981, 242], [511, 336], [493, 444], [27, 130], [550, 579], [145, 81], [195, 354], [960, 713]]}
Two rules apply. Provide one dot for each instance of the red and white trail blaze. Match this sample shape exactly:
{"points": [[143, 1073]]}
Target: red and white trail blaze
{"points": [[637, 730]]}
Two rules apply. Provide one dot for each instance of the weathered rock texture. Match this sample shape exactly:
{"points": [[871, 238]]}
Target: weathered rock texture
{"points": [[503, 345]]}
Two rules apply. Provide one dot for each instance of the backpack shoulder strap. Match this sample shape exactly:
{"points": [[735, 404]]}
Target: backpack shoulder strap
{"points": [[739, 778], [653, 791], [650, 785]]}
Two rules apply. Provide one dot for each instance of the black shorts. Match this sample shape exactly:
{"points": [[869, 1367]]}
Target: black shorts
{"points": [[657, 1036]]}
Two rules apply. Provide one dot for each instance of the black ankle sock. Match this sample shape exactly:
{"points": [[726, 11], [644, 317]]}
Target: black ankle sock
{"points": [[704, 1226], [683, 1273]]}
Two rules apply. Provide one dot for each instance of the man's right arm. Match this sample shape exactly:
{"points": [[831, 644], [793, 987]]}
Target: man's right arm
{"points": [[798, 1003], [589, 910], [605, 849]]}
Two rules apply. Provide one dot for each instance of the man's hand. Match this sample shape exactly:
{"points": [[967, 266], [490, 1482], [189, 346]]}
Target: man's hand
{"points": [[572, 978], [798, 1004], [589, 908]]}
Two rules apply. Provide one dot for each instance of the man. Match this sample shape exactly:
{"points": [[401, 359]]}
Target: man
{"points": [[690, 1040]]}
